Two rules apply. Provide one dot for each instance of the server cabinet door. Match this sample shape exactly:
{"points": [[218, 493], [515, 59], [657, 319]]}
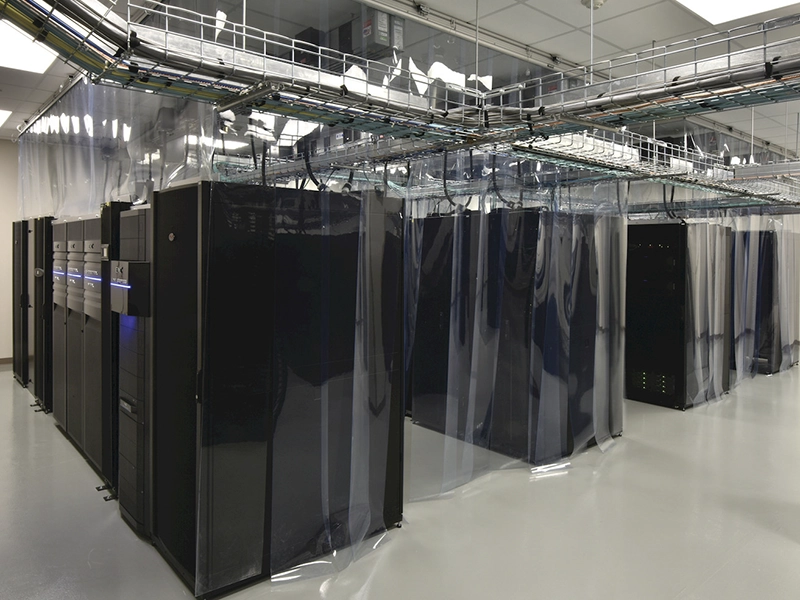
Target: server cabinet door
{"points": [[175, 280], [430, 356], [442, 362], [94, 433], [768, 353], [75, 409], [655, 350], [92, 396], [20, 307], [582, 334], [126, 238], [30, 312], [510, 407], [235, 393], [76, 321], [60, 365], [108, 365], [60, 324], [43, 312]]}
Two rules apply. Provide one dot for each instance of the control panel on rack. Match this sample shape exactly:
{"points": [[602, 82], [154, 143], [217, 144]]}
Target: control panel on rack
{"points": [[130, 288]]}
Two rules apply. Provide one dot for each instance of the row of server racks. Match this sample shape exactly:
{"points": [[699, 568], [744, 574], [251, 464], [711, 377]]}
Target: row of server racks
{"points": [[682, 336], [515, 372], [32, 289], [177, 369], [206, 354]]}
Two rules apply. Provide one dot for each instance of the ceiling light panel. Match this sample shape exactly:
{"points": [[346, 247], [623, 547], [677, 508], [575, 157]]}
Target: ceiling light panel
{"points": [[4, 114], [723, 11], [19, 51]]}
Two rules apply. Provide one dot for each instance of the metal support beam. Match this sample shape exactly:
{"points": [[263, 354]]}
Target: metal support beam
{"points": [[769, 171]]}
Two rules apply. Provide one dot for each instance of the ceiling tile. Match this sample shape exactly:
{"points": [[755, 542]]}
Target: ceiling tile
{"points": [[576, 14], [61, 69], [486, 7], [574, 46], [466, 10], [738, 120], [41, 96], [9, 105], [290, 16], [676, 39], [777, 134], [776, 111], [9, 129], [19, 78], [13, 92], [27, 108], [52, 82], [524, 25], [642, 26]]}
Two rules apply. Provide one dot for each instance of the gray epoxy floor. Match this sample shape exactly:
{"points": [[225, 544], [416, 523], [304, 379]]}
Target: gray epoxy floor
{"points": [[698, 505]]}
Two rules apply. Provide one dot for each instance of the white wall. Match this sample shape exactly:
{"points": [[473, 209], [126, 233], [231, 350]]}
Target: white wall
{"points": [[8, 214]]}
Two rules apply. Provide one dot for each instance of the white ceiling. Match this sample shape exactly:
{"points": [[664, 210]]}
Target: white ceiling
{"points": [[23, 93], [558, 27]]}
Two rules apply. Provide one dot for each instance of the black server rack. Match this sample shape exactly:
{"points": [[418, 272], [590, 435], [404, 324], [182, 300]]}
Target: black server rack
{"points": [[550, 432], [728, 356], [510, 420], [174, 346], [582, 318], [31, 324], [612, 330], [737, 244], [660, 322], [109, 346], [60, 311], [92, 344], [767, 353], [40, 312], [441, 365], [20, 302], [74, 341], [795, 296], [254, 300], [539, 329], [84, 338], [130, 301], [655, 353]]}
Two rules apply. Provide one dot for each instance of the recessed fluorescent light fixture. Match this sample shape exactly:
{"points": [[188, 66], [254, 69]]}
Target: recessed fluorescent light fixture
{"points": [[19, 51], [4, 114], [722, 11]]}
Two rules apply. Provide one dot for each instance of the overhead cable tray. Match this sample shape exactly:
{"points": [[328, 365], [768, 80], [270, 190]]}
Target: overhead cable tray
{"points": [[176, 51]]}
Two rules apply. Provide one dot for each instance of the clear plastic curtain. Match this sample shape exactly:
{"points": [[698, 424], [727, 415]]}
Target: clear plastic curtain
{"points": [[514, 318], [765, 291], [789, 289], [101, 143], [745, 295], [708, 268]]}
